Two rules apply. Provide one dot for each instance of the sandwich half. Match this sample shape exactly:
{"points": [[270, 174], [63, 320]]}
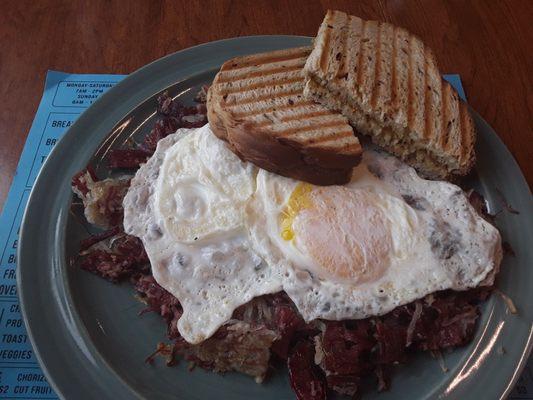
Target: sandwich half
{"points": [[256, 104], [386, 81]]}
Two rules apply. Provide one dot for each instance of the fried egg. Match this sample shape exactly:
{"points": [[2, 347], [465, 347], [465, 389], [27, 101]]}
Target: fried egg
{"points": [[385, 239], [219, 232], [187, 205]]}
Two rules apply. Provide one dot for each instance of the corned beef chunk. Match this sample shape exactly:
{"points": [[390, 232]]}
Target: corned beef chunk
{"points": [[344, 352], [93, 239], [102, 199], [127, 158], [236, 346], [113, 255], [173, 115], [306, 380], [159, 301], [351, 351]]}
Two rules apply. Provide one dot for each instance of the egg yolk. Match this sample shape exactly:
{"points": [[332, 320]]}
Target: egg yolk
{"points": [[344, 231], [298, 200]]}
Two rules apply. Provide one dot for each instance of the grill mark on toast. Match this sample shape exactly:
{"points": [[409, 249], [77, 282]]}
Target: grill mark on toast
{"points": [[329, 138], [331, 124], [402, 77], [356, 56], [312, 114], [375, 86], [261, 85], [369, 63], [394, 96], [455, 117], [350, 60], [460, 127], [464, 133], [265, 97], [325, 47], [335, 34], [419, 76], [427, 97], [343, 149], [360, 60], [268, 59], [445, 127], [410, 85], [270, 109], [435, 90], [296, 104], [261, 73], [341, 66], [354, 147]]}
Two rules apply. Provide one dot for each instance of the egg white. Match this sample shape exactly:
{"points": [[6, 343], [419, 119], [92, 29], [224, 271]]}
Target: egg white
{"points": [[214, 228]]}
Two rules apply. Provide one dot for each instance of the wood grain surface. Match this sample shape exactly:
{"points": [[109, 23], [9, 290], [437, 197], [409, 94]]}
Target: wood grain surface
{"points": [[490, 43]]}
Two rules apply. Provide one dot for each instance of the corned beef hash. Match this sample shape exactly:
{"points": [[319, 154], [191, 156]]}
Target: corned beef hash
{"points": [[250, 269]]}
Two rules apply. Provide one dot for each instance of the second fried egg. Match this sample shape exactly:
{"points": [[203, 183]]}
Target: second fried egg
{"points": [[385, 239]]}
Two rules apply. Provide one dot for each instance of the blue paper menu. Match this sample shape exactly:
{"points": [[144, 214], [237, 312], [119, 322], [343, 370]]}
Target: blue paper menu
{"points": [[65, 97]]}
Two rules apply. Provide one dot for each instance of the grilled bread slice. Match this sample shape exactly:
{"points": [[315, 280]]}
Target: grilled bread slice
{"points": [[386, 81], [256, 104]]}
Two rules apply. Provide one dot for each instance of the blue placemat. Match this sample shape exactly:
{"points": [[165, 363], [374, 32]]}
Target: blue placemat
{"points": [[65, 97]]}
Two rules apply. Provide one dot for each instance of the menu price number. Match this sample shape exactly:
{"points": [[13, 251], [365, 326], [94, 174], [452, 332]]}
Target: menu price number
{"points": [[3, 388]]}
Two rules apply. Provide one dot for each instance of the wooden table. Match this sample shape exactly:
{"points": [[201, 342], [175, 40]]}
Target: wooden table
{"points": [[490, 43]]}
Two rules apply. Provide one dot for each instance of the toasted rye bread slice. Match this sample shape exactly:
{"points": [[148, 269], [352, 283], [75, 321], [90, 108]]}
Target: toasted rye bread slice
{"points": [[386, 81], [256, 104]]}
